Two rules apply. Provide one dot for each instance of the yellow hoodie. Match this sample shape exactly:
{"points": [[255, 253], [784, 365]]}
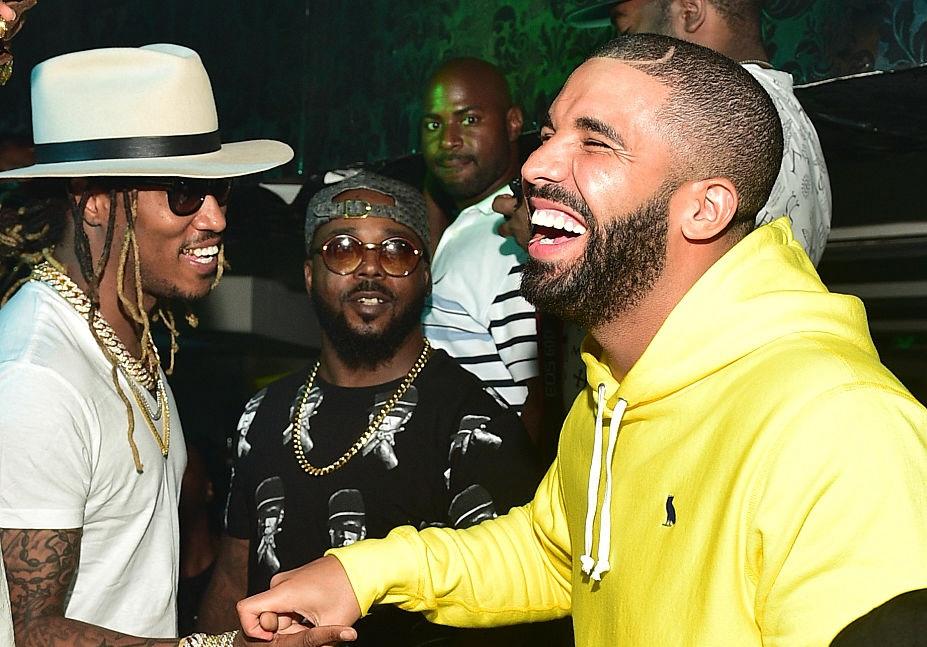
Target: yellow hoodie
{"points": [[757, 478]]}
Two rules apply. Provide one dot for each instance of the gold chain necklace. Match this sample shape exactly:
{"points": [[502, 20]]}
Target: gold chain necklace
{"points": [[116, 353], [372, 428]]}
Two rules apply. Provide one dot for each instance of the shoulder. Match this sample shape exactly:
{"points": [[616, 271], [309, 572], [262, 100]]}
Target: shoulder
{"points": [[458, 388]]}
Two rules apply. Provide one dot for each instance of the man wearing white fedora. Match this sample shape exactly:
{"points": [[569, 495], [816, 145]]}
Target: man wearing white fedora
{"points": [[93, 451]]}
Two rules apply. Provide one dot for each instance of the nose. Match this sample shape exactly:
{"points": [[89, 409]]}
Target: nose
{"points": [[450, 135], [211, 216], [370, 263], [550, 162]]}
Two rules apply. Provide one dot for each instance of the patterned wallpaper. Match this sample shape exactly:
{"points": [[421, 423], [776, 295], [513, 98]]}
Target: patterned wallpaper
{"points": [[340, 79]]}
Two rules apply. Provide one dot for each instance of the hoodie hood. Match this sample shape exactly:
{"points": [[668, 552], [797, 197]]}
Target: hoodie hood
{"points": [[763, 289]]}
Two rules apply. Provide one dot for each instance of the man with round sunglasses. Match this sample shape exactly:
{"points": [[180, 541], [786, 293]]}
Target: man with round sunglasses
{"points": [[381, 415], [124, 211]]}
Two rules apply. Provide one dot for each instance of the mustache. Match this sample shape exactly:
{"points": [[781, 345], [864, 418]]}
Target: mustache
{"points": [[557, 193], [453, 157], [205, 237], [369, 286]]}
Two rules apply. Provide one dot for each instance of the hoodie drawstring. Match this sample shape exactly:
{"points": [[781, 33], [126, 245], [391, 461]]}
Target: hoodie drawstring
{"points": [[598, 567], [592, 494]]}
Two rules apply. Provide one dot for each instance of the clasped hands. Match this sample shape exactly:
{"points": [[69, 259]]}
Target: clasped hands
{"points": [[311, 606]]}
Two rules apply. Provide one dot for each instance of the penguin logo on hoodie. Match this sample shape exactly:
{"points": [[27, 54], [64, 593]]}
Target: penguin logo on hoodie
{"points": [[670, 512]]}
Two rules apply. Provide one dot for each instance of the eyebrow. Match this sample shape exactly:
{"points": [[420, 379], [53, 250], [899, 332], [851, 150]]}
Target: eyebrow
{"points": [[457, 112], [389, 231], [598, 126]]}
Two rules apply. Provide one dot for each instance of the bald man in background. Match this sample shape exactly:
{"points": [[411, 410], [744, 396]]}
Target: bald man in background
{"points": [[469, 130]]}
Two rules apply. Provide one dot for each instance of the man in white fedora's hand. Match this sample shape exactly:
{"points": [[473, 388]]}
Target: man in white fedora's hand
{"points": [[127, 210]]}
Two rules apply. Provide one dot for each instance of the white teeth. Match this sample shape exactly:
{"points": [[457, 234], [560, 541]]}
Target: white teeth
{"points": [[212, 250], [367, 301], [203, 255], [556, 220]]}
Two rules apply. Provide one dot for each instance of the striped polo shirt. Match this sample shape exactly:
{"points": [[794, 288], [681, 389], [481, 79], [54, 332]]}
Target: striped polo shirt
{"points": [[475, 311]]}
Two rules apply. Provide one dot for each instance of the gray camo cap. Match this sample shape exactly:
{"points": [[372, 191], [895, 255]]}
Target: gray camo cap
{"points": [[409, 209]]}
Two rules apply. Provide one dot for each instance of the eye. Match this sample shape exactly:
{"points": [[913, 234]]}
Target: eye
{"points": [[594, 143], [431, 125], [470, 120], [546, 133]]}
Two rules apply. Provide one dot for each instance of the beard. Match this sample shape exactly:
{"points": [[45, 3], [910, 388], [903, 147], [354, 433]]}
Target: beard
{"points": [[484, 172], [621, 263], [366, 348]]}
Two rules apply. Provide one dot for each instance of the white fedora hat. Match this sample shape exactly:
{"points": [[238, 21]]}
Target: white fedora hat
{"points": [[127, 111]]}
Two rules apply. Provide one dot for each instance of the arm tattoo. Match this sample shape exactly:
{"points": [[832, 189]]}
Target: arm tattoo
{"points": [[40, 566], [40, 569]]}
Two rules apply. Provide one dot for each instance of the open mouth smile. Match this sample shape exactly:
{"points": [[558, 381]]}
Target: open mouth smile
{"points": [[201, 255]]}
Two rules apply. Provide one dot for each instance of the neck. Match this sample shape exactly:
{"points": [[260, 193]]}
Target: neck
{"points": [[511, 172], [334, 371], [625, 338], [128, 331], [740, 40]]}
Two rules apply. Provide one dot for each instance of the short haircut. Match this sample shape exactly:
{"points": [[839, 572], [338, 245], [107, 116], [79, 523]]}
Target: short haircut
{"points": [[717, 117]]}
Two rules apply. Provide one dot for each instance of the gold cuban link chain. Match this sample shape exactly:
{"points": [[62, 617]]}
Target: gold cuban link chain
{"points": [[372, 428], [116, 352]]}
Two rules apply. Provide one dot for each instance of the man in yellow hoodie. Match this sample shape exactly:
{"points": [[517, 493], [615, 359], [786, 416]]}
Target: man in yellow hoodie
{"points": [[741, 469]]}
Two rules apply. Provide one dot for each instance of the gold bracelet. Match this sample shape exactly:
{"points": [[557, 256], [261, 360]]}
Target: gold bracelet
{"points": [[209, 640]]}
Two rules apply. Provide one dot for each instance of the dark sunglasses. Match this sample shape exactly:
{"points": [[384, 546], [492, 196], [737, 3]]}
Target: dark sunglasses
{"points": [[343, 254], [185, 196]]}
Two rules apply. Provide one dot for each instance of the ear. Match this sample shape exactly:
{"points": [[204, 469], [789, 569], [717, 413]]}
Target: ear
{"points": [[307, 272], [705, 208], [692, 15], [96, 211], [514, 121]]}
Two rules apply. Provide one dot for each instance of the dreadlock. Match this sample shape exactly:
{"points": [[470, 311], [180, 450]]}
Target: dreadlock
{"points": [[32, 224]]}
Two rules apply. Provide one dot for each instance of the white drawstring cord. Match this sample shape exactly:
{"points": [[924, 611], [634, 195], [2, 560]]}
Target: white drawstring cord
{"points": [[592, 494], [605, 525]]}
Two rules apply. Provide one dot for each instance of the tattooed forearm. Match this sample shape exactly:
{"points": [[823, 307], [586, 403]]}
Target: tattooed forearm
{"points": [[63, 632], [40, 565]]}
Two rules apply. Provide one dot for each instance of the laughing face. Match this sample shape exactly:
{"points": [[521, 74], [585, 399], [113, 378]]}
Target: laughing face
{"points": [[178, 255], [599, 188], [367, 313]]}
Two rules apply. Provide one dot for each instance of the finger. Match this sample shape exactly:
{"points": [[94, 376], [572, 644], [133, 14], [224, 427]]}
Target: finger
{"points": [[505, 204], [505, 229], [269, 621], [6, 12], [249, 612], [325, 635]]}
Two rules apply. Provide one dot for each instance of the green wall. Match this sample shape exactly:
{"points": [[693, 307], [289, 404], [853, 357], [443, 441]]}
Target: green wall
{"points": [[340, 80]]}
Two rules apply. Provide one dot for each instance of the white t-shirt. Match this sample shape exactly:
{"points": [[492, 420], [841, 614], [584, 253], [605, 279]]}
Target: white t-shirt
{"points": [[802, 190], [66, 463], [476, 312]]}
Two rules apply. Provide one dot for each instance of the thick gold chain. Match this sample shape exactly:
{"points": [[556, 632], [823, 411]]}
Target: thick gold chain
{"points": [[69, 291], [116, 352], [372, 428]]}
